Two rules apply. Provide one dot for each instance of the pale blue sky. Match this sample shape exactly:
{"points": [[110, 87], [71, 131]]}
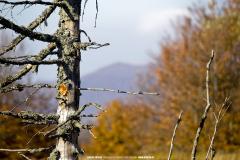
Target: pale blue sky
{"points": [[134, 29]]}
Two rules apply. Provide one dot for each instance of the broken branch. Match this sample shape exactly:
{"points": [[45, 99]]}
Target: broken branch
{"points": [[204, 116]]}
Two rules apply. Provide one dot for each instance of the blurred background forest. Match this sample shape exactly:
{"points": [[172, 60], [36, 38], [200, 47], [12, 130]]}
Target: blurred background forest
{"points": [[143, 125]]}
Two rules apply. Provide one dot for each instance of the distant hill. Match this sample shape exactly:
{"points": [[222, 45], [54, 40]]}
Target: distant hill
{"points": [[116, 76]]}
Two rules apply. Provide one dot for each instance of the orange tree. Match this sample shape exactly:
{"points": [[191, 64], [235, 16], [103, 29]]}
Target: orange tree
{"points": [[125, 130], [27, 136], [179, 71]]}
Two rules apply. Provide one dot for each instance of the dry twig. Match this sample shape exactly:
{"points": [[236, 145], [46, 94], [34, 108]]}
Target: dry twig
{"points": [[204, 116], [174, 135], [225, 106]]}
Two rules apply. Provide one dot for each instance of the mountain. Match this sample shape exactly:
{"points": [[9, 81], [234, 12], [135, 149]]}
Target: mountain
{"points": [[120, 76]]}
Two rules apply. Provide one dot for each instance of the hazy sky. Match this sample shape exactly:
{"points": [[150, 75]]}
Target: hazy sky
{"points": [[134, 29]]}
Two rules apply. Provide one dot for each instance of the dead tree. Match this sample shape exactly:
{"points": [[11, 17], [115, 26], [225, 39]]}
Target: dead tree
{"points": [[66, 44], [204, 116], [205, 113]]}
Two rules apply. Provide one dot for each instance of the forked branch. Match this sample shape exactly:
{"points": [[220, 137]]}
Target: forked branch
{"points": [[204, 116], [34, 24], [223, 109], [76, 116]]}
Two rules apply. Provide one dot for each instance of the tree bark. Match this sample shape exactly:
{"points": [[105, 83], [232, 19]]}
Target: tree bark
{"points": [[68, 79]]}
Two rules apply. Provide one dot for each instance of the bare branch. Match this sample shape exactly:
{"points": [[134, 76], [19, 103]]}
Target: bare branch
{"points": [[96, 16], [28, 61], [225, 106], [45, 14], [43, 54], [32, 117], [21, 87], [27, 32], [44, 122], [89, 45], [29, 57], [92, 134], [37, 133], [174, 135], [75, 116], [32, 151], [119, 91], [31, 3], [75, 124], [24, 156], [84, 7], [81, 109], [29, 96], [85, 33], [23, 57], [89, 115], [204, 116]]}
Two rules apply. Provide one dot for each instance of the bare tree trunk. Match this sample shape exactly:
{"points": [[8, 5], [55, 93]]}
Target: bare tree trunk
{"points": [[68, 80]]}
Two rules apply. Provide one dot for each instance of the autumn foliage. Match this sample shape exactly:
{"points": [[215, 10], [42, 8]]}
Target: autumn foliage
{"points": [[15, 135], [125, 130], [179, 73]]}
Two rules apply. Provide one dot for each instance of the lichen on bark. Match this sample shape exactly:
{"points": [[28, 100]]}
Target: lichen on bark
{"points": [[69, 75]]}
